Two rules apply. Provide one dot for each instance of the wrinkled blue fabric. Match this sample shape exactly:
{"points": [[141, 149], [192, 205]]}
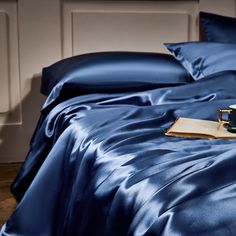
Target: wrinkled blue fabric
{"points": [[218, 28], [114, 71], [203, 59], [100, 164]]}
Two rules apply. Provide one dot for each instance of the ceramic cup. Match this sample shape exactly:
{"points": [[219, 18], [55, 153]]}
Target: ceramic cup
{"points": [[230, 122]]}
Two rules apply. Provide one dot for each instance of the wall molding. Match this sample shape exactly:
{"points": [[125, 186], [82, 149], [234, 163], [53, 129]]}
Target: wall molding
{"points": [[10, 108], [74, 13]]}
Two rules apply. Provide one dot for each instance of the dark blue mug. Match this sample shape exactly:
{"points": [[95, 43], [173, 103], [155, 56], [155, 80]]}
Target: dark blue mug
{"points": [[230, 122]]}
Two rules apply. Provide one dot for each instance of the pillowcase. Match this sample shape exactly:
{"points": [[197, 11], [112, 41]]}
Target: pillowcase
{"points": [[218, 28], [115, 71], [202, 59]]}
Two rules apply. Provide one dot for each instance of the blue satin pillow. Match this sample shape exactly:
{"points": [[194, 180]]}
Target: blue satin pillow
{"points": [[218, 28], [202, 59], [115, 71]]}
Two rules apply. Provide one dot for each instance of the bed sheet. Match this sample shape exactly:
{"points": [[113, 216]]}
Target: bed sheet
{"points": [[100, 164]]}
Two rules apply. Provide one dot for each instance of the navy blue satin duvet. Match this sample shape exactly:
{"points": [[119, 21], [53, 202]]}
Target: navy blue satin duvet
{"points": [[101, 165]]}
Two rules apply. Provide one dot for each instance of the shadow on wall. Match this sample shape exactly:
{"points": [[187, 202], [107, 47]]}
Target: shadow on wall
{"points": [[15, 138]]}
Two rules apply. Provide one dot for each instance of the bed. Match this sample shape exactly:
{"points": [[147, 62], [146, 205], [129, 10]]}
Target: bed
{"points": [[99, 161]]}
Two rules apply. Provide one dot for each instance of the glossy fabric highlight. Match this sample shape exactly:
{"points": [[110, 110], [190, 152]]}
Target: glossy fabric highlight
{"points": [[100, 164], [203, 59], [114, 71]]}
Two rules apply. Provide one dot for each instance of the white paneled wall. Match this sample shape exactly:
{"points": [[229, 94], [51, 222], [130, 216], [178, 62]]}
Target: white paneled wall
{"points": [[36, 33], [4, 64], [225, 7], [9, 65], [30, 38], [127, 25]]}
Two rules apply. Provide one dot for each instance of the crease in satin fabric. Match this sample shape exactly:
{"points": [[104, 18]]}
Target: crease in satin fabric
{"points": [[103, 166]]}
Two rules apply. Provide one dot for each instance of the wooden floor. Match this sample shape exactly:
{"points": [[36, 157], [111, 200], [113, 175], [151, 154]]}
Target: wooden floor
{"points": [[7, 202]]}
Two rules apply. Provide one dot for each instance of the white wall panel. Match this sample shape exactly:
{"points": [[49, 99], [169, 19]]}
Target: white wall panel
{"points": [[222, 7], [126, 25], [234, 15], [128, 31], [4, 64], [34, 41], [39, 36], [10, 105], [37, 33]]}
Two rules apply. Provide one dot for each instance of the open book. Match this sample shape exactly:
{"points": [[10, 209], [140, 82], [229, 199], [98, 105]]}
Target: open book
{"points": [[194, 128]]}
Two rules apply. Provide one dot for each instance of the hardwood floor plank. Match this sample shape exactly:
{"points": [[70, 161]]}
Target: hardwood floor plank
{"points": [[7, 201]]}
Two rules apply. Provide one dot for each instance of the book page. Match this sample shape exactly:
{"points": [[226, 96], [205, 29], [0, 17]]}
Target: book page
{"points": [[186, 127], [195, 128]]}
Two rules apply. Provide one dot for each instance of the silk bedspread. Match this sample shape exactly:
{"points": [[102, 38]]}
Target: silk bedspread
{"points": [[101, 165]]}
